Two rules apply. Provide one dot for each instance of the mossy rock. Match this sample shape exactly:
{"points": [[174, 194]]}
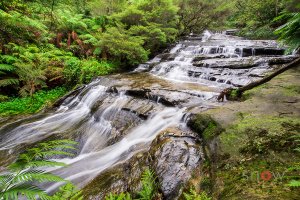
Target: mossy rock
{"points": [[205, 126]]}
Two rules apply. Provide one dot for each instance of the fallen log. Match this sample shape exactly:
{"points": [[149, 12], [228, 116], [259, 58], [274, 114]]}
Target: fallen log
{"points": [[254, 84], [234, 94]]}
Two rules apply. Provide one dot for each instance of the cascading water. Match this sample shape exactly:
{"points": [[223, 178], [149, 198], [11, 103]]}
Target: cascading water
{"points": [[115, 117], [219, 60]]}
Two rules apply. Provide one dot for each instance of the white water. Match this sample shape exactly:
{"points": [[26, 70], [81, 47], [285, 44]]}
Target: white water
{"points": [[216, 52], [87, 166]]}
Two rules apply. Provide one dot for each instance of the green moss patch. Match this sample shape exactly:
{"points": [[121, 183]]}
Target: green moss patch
{"points": [[205, 126]]}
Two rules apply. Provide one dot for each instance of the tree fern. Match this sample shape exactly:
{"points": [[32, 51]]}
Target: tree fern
{"points": [[27, 169]]}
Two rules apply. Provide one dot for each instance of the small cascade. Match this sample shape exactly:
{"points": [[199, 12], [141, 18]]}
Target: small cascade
{"points": [[219, 60]]}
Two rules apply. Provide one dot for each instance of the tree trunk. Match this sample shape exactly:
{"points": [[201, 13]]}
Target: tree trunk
{"points": [[269, 77]]}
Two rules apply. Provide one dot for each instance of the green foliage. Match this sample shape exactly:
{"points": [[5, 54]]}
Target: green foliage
{"points": [[67, 192], [192, 195], [255, 18], [18, 28], [28, 105], [289, 33], [92, 68], [197, 15], [27, 169], [148, 192], [121, 196], [149, 187], [294, 183], [118, 43], [83, 71]]}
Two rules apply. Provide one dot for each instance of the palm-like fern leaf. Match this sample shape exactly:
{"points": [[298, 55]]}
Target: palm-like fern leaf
{"points": [[8, 81], [7, 67], [27, 190], [24, 170]]}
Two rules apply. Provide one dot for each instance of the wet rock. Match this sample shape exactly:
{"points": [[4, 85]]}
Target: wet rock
{"points": [[67, 96], [268, 52], [142, 116], [281, 60], [147, 94], [144, 93], [231, 32], [175, 157], [212, 79], [210, 56], [167, 57], [124, 177], [112, 89]]}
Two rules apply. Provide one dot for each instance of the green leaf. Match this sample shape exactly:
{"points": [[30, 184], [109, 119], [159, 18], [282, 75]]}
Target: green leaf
{"points": [[6, 67]]}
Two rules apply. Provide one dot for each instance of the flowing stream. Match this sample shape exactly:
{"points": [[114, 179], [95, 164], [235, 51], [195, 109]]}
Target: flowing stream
{"points": [[115, 117]]}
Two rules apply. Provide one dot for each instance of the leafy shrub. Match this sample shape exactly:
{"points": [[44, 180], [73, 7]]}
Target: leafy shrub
{"points": [[67, 192], [92, 68], [83, 71]]}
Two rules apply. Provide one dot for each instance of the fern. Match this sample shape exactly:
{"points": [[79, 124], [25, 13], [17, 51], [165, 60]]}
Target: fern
{"points": [[294, 183], [6, 67], [17, 181], [68, 191], [149, 187], [8, 81], [121, 196], [290, 31], [192, 195]]}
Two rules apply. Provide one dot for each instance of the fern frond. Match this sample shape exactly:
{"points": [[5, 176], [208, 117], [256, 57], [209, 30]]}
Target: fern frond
{"points": [[294, 183], [36, 175], [28, 191], [8, 81], [148, 185], [121, 196], [6, 67], [68, 191], [41, 163]]}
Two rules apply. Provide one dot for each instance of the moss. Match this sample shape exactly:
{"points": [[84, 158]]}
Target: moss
{"points": [[253, 144], [291, 90], [205, 126]]}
